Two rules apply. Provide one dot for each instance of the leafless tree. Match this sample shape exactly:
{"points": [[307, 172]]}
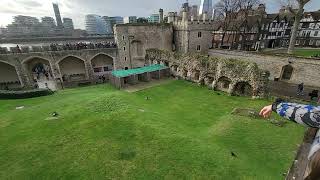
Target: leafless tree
{"points": [[228, 9], [235, 13], [296, 7]]}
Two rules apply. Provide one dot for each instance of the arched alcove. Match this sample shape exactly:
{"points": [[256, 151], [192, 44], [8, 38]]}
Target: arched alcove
{"points": [[102, 64], [38, 69], [72, 69], [243, 89], [9, 78], [223, 84]]}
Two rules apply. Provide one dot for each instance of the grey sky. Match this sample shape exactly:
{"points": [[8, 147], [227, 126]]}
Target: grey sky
{"points": [[77, 9]]}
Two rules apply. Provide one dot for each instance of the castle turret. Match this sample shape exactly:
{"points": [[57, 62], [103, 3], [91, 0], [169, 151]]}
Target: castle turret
{"points": [[185, 15], [171, 17], [204, 16], [161, 15]]}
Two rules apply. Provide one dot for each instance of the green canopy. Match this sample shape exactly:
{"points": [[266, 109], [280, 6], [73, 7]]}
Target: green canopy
{"points": [[129, 72]]}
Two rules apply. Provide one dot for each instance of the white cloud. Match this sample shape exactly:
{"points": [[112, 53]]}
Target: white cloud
{"points": [[77, 9]]}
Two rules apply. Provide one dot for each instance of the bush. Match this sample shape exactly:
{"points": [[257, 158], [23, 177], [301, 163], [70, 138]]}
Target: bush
{"points": [[24, 94]]}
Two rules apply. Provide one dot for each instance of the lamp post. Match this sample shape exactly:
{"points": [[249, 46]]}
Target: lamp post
{"points": [[130, 59]]}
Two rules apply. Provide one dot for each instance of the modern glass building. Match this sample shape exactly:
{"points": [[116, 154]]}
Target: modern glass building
{"points": [[57, 14], [111, 21], [206, 7], [95, 25], [68, 24], [154, 18]]}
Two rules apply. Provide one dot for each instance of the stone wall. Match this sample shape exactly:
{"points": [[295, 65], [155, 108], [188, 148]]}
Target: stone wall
{"points": [[22, 62], [304, 70], [230, 75], [134, 39]]}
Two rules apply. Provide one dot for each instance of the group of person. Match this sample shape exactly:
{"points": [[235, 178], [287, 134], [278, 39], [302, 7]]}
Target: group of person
{"points": [[67, 46], [81, 46], [314, 95]]}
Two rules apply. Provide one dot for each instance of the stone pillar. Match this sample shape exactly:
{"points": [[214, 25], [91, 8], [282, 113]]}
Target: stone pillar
{"points": [[89, 70], [231, 88], [148, 76], [214, 85]]}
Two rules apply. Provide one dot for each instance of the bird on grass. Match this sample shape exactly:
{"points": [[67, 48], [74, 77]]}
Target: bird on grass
{"points": [[233, 154], [55, 114]]}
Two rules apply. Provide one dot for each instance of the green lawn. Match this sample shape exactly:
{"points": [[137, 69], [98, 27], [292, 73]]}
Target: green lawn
{"points": [[183, 132], [306, 52]]}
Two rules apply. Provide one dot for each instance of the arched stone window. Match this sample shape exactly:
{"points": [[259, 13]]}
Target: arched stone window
{"points": [[286, 72]]}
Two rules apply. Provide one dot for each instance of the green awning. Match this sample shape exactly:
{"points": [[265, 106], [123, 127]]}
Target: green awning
{"points": [[129, 72]]}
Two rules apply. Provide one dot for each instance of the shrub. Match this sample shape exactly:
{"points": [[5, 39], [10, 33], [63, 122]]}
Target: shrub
{"points": [[24, 94]]}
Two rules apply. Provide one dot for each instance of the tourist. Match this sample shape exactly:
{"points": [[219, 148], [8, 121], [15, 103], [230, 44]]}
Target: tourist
{"points": [[306, 115], [300, 89]]}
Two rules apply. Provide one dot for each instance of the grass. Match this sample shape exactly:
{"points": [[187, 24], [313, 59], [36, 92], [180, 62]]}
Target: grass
{"points": [[302, 52], [182, 132], [307, 52]]}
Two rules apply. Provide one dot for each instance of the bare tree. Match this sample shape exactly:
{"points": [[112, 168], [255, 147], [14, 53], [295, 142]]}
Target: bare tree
{"points": [[228, 9], [298, 13]]}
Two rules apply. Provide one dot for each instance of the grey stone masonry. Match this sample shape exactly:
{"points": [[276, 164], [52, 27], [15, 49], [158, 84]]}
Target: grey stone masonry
{"points": [[53, 58]]}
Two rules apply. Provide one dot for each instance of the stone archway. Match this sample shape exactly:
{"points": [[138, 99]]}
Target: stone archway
{"points": [[72, 69], [38, 69], [184, 73], [196, 75], [287, 71], [223, 84], [243, 89], [102, 64], [9, 78], [208, 79], [174, 68]]}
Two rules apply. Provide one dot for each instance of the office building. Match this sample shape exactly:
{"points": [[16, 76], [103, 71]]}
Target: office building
{"points": [[206, 7], [154, 18], [130, 19], [68, 24], [48, 22], [95, 25], [57, 14]]}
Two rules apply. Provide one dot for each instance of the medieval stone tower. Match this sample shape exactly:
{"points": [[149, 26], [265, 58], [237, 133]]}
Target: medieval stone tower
{"points": [[191, 34]]}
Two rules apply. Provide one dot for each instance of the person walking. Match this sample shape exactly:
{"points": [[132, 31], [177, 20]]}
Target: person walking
{"points": [[306, 115], [300, 89]]}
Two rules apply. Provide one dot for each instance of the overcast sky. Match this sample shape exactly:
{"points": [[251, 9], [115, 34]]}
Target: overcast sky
{"points": [[77, 9]]}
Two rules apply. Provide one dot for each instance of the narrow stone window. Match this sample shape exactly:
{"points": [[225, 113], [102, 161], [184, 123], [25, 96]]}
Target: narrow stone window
{"points": [[198, 48], [124, 48], [199, 35]]}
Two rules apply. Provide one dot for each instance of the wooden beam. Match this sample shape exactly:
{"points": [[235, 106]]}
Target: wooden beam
{"points": [[301, 161]]}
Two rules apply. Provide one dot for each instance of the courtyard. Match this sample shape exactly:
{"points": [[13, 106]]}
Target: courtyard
{"points": [[176, 130]]}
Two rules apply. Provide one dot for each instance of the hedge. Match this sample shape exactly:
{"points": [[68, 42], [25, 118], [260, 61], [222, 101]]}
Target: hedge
{"points": [[24, 94]]}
